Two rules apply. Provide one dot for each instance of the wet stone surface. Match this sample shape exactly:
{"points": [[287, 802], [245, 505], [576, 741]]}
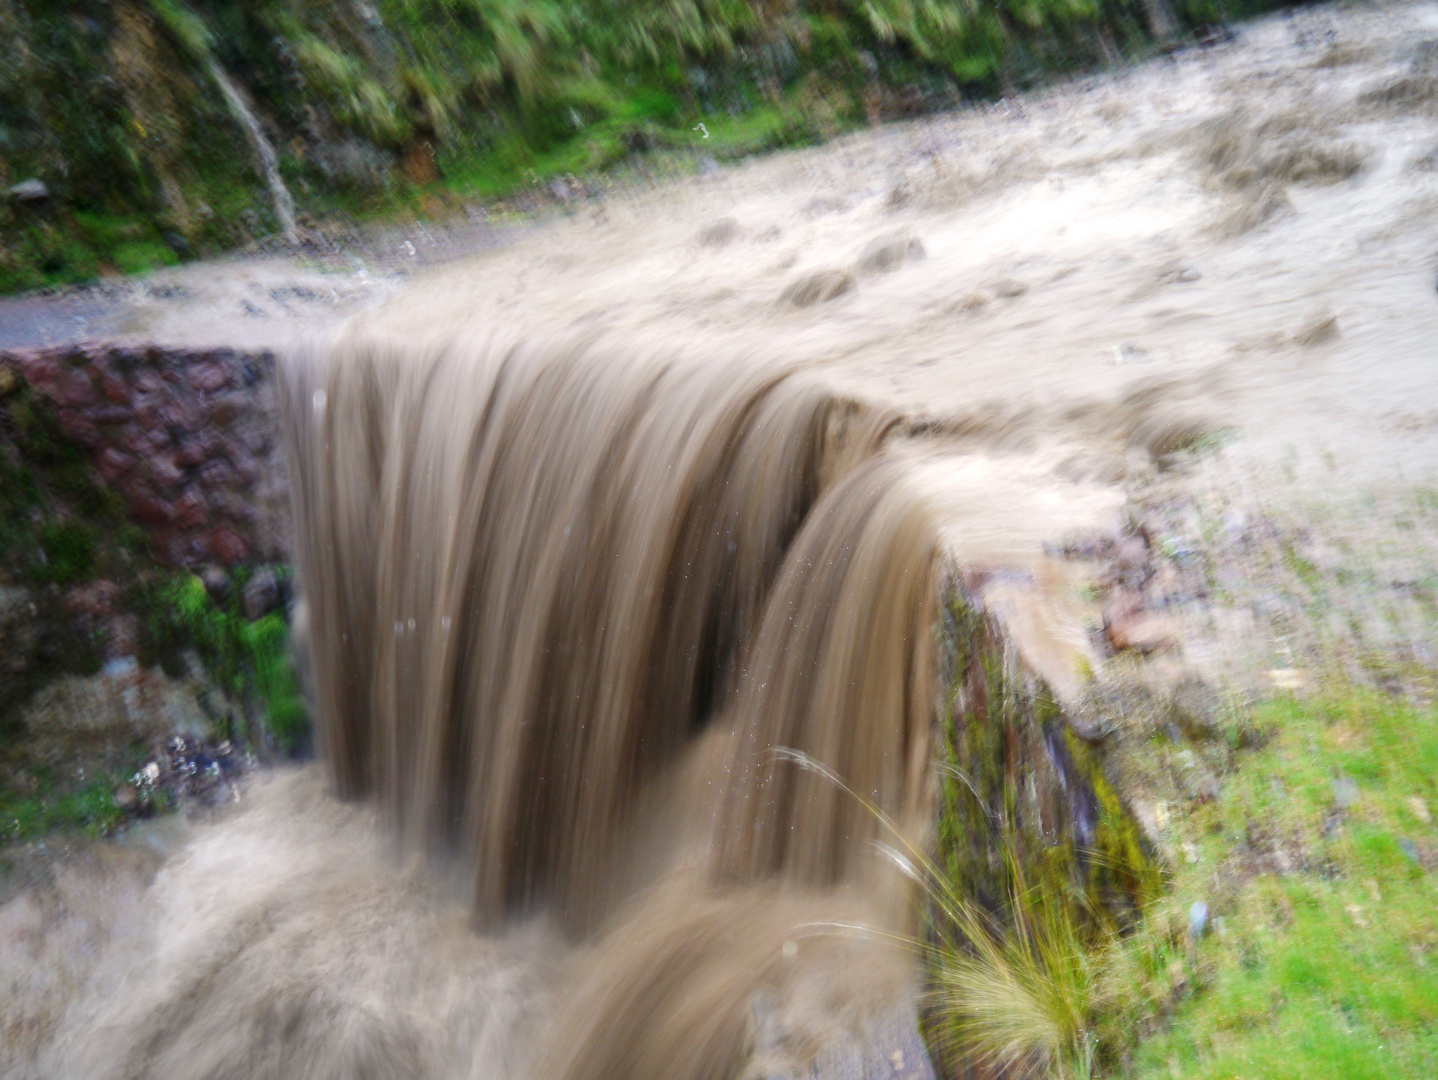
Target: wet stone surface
{"points": [[187, 437]]}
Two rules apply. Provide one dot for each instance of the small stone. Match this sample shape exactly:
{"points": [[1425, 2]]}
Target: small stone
{"points": [[229, 546], [180, 413], [1149, 632], [190, 509], [79, 390], [163, 469], [217, 583], [1410, 849], [28, 191], [1419, 809], [217, 474], [264, 592], [1122, 604], [1130, 625], [143, 502], [121, 667], [126, 797], [1286, 679], [113, 464], [227, 409], [108, 415], [209, 377], [194, 449], [1345, 792], [115, 389], [1197, 919]]}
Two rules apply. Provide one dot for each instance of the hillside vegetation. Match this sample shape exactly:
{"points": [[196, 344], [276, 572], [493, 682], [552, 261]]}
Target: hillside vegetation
{"points": [[121, 147]]}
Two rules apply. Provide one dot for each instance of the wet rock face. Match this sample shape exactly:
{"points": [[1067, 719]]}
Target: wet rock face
{"points": [[187, 437]]}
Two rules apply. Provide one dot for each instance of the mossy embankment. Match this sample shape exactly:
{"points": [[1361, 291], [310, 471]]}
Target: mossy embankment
{"points": [[121, 150], [1229, 881]]}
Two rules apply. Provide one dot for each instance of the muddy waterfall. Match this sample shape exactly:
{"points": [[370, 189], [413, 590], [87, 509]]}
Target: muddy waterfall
{"points": [[568, 599]]}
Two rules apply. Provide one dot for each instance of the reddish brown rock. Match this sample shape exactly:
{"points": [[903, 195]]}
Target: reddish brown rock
{"points": [[217, 474], [144, 504], [41, 372], [141, 440], [209, 377], [114, 464], [227, 408], [108, 415], [180, 413], [1145, 631], [79, 427], [116, 389], [163, 469], [79, 390], [229, 546], [186, 436], [195, 449], [190, 509]]}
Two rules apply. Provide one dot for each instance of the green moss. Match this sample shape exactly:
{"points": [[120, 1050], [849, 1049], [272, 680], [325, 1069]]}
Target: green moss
{"points": [[69, 551], [91, 809], [1025, 804], [142, 256], [250, 660]]}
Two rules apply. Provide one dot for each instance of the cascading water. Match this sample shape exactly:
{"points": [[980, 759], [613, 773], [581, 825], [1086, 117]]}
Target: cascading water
{"points": [[567, 599], [264, 153]]}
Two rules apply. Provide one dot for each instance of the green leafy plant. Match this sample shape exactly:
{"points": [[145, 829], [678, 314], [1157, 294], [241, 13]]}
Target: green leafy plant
{"points": [[246, 658]]}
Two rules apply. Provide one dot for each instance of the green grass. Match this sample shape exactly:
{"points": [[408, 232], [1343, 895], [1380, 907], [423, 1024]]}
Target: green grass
{"points": [[142, 256], [1320, 955], [1330, 969], [90, 809]]}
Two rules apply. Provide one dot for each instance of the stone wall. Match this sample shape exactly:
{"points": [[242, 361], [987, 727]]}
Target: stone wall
{"points": [[188, 437]]}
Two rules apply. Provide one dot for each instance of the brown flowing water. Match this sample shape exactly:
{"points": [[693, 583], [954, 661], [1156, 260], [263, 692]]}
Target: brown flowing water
{"points": [[569, 596], [591, 527]]}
